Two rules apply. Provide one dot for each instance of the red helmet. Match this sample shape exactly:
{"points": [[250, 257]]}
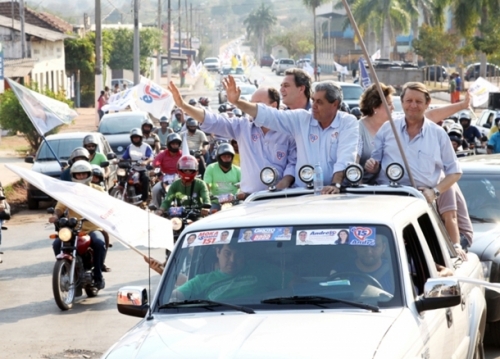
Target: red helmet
{"points": [[187, 162]]}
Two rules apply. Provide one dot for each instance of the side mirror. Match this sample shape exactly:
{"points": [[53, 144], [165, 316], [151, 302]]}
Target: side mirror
{"points": [[29, 159], [111, 156], [439, 293], [50, 210], [132, 301], [104, 164]]}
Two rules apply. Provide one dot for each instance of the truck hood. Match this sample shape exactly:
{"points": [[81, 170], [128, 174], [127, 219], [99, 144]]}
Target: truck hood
{"points": [[48, 168], [302, 334]]}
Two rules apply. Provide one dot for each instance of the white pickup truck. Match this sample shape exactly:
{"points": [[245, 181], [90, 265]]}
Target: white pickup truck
{"points": [[287, 274]]}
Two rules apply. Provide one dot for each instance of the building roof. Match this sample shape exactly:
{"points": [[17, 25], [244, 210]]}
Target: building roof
{"points": [[18, 67], [43, 20], [33, 30]]}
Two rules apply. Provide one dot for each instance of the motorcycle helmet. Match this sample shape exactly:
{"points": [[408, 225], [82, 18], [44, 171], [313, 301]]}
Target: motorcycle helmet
{"points": [[136, 132], [173, 137], [187, 163], [465, 119], [192, 102], [98, 172], [222, 108], [344, 107], [81, 167], [163, 119], [147, 122], [456, 130], [225, 149], [496, 120], [204, 101], [191, 124], [237, 112], [90, 140], [356, 112], [79, 153]]}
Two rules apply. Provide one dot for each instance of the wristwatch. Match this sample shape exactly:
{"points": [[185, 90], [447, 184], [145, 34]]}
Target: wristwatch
{"points": [[436, 192], [337, 185], [457, 246]]}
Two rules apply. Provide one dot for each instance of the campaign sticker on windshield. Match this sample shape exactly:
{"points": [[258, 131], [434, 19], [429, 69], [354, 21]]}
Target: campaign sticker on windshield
{"points": [[322, 237], [208, 238], [265, 234], [362, 236]]}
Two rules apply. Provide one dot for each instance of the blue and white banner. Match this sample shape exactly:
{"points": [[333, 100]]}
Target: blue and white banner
{"points": [[363, 75]]}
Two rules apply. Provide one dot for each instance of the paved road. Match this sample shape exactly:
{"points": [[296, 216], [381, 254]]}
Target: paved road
{"points": [[31, 325]]}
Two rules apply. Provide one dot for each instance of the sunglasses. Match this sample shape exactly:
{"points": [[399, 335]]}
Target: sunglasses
{"points": [[90, 146]]}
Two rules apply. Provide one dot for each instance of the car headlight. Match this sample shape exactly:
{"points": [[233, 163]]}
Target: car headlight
{"points": [[119, 148], [121, 172], [395, 172], [269, 176], [306, 175], [65, 234], [354, 173]]}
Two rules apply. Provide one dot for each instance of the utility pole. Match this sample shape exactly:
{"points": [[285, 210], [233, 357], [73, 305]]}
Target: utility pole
{"points": [[191, 26], [158, 59], [169, 45], [23, 36], [136, 43], [187, 24], [180, 39], [98, 57]]}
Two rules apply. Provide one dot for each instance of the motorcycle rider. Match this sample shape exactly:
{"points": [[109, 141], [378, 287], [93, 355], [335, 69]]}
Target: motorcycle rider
{"points": [[163, 132], [458, 142], [78, 154], [149, 137], [236, 158], [222, 176], [141, 152], [167, 162], [187, 191], [96, 158], [178, 120], [81, 172], [205, 103], [97, 176], [470, 133]]}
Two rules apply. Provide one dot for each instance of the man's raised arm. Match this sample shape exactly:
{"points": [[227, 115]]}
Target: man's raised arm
{"points": [[233, 95], [195, 112]]}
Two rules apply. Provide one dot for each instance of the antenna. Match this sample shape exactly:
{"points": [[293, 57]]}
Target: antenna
{"points": [[150, 314]]}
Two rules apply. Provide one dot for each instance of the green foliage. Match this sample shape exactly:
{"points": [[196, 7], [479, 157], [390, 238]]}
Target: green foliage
{"points": [[258, 24], [435, 45], [298, 40], [489, 41], [14, 119]]}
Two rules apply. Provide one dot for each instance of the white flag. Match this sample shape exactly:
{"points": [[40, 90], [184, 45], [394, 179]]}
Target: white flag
{"points": [[128, 223], [199, 67], [480, 91], [192, 70], [308, 68], [185, 146], [44, 112], [340, 68], [376, 55]]}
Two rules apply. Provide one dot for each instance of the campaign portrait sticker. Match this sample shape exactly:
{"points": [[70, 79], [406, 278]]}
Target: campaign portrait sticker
{"points": [[331, 236], [208, 238], [362, 236], [247, 235]]}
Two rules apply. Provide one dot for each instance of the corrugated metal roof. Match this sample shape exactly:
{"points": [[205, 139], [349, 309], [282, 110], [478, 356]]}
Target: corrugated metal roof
{"points": [[18, 67], [33, 30]]}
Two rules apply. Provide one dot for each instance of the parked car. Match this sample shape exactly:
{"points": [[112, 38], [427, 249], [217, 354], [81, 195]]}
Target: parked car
{"points": [[212, 64], [485, 121], [431, 70], [228, 70], [274, 65], [472, 71], [271, 278], [283, 65], [116, 127], [247, 91], [266, 60], [45, 163], [302, 62], [120, 83], [351, 92]]}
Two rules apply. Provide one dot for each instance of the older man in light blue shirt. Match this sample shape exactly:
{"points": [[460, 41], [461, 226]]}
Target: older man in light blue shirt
{"points": [[426, 145], [324, 136]]}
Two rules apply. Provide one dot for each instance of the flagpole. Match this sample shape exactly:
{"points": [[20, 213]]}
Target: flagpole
{"points": [[380, 91], [51, 150]]}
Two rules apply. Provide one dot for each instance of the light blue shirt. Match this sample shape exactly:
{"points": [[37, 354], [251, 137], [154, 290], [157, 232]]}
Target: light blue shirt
{"points": [[257, 150], [429, 154], [334, 147], [494, 141]]}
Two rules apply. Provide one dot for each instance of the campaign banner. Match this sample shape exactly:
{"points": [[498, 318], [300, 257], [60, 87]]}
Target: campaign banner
{"points": [[362, 236], [265, 234], [375, 56], [480, 91], [222, 236], [331, 236], [192, 70], [340, 68], [363, 74], [128, 223], [44, 112], [309, 69]]}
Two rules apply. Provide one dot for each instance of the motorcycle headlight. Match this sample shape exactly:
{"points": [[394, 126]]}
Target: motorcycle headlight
{"points": [[121, 172], [65, 234], [269, 176], [395, 172], [354, 173], [176, 223]]}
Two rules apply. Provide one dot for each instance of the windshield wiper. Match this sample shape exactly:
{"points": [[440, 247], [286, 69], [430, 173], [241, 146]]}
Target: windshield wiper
{"points": [[313, 299], [482, 220], [206, 303]]}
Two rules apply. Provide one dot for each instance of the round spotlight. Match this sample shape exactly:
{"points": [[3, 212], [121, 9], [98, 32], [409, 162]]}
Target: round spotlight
{"points": [[269, 176], [395, 172], [65, 234], [354, 173], [306, 174]]}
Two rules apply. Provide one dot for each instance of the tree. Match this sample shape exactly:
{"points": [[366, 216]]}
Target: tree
{"points": [[313, 4], [259, 23], [297, 40], [435, 45], [13, 117]]}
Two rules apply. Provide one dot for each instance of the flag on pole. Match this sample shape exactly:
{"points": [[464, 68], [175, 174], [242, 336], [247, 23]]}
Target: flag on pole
{"points": [[185, 146], [44, 112], [363, 74], [192, 70], [340, 68], [376, 55], [480, 91], [128, 223]]}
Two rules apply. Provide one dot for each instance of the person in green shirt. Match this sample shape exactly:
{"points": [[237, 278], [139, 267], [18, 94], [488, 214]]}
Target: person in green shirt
{"points": [[187, 191], [96, 158], [235, 277], [222, 177]]}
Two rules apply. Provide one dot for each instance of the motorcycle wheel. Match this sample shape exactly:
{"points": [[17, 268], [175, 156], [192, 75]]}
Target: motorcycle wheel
{"points": [[91, 291], [63, 294], [115, 192]]}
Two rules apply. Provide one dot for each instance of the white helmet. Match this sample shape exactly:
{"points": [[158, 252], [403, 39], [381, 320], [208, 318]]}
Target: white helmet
{"points": [[457, 129], [81, 167]]}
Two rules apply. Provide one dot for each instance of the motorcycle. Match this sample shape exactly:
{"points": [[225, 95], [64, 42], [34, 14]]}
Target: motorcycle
{"points": [[128, 187], [72, 271], [225, 201]]}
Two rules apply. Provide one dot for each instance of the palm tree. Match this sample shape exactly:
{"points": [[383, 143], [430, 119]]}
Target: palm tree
{"points": [[259, 23], [313, 4]]}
